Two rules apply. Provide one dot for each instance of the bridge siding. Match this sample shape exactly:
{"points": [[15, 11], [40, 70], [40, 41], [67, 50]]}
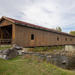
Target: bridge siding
{"points": [[5, 23], [22, 36], [41, 38]]}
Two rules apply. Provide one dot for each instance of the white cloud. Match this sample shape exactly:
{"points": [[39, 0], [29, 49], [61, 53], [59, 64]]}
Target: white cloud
{"points": [[48, 13]]}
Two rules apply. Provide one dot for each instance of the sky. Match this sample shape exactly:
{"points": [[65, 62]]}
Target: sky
{"points": [[45, 13]]}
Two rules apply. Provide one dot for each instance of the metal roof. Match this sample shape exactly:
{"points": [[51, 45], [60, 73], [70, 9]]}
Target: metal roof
{"points": [[35, 26]]}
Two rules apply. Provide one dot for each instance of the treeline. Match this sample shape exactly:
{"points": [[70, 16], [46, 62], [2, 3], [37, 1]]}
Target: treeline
{"points": [[59, 29]]}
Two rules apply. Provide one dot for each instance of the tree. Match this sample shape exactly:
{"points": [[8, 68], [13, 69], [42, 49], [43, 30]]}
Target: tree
{"points": [[58, 29], [72, 32]]}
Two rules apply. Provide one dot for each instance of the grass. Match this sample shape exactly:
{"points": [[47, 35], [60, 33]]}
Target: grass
{"points": [[1, 48], [28, 66], [49, 49]]}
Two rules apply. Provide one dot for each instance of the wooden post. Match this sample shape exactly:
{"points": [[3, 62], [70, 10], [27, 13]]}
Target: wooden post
{"points": [[62, 47], [1, 34], [13, 34], [0, 42], [11, 42]]}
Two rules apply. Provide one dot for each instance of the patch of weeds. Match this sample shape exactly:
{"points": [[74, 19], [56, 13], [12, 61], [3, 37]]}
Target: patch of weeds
{"points": [[44, 59], [44, 49], [29, 60]]}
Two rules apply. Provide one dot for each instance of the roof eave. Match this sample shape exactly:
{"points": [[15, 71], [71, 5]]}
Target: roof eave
{"points": [[41, 29], [7, 19]]}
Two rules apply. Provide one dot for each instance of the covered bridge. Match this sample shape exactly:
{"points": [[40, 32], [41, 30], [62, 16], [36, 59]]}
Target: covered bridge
{"points": [[30, 35]]}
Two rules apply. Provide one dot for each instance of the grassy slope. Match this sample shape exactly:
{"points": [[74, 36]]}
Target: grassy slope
{"points": [[28, 66]]}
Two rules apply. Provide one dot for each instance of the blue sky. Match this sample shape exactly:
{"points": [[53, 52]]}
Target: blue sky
{"points": [[46, 13]]}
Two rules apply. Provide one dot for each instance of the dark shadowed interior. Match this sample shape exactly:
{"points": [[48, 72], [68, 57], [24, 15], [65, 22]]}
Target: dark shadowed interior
{"points": [[6, 34]]}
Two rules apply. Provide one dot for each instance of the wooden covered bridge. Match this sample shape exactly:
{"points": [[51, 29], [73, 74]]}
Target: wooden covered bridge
{"points": [[29, 35]]}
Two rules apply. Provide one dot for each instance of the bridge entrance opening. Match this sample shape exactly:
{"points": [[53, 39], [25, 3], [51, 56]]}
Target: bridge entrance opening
{"points": [[6, 34]]}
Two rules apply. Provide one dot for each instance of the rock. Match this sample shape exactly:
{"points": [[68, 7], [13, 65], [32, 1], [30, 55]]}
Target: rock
{"points": [[20, 52], [25, 50], [18, 48], [54, 50], [50, 56], [46, 60], [8, 53], [3, 56], [1, 51], [60, 54], [5, 51], [30, 52], [63, 53], [63, 62]]}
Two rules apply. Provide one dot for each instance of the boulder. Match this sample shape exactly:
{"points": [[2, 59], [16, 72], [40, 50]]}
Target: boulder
{"points": [[49, 56], [18, 48], [1, 51], [3, 56], [8, 53], [20, 52], [5, 52]]}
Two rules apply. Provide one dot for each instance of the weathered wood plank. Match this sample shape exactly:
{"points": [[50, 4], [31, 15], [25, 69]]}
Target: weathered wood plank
{"points": [[41, 38], [13, 34]]}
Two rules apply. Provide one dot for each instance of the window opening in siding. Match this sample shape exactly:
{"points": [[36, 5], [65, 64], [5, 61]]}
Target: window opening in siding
{"points": [[70, 39], [65, 39], [32, 36], [57, 38]]}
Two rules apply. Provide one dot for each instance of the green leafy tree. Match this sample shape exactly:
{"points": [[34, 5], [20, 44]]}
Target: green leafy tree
{"points": [[58, 29], [72, 32]]}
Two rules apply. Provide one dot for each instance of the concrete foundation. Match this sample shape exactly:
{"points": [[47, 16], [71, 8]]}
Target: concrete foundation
{"points": [[70, 48]]}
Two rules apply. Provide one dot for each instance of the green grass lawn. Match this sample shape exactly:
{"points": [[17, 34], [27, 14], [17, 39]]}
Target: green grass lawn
{"points": [[1, 48], [28, 66]]}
